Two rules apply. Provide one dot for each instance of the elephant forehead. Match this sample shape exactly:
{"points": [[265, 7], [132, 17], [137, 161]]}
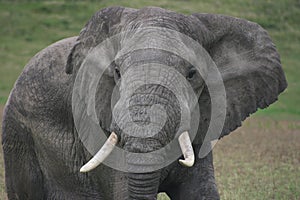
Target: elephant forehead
{"points": [[157, 38], [158, 44], [138, 58], [157, 17]]}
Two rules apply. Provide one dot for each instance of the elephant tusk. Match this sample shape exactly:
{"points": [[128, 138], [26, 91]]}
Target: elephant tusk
{"points": [[101, 154], [187, 150]]}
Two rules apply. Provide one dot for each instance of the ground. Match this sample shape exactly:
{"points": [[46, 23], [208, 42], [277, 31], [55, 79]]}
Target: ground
{"points": [[261, 160]]}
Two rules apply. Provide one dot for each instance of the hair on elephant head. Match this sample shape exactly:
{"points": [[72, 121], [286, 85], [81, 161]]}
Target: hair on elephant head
{"points": [[150, 85]]}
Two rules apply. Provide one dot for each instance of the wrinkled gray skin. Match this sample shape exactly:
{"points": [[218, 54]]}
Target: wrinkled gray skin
{"points": [[42, 150]]}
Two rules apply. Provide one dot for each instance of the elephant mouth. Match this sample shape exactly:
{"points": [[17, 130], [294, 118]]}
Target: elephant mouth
{"points": [[184, 142]]}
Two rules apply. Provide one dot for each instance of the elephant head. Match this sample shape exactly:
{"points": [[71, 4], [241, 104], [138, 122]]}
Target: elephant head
{"points": [[146, 96]]}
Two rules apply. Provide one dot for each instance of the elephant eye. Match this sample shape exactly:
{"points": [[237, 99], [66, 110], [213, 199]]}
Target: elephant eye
{"points": [[117, 73], [191, 73]]}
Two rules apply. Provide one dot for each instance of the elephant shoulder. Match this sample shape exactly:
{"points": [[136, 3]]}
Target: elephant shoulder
{"points": [[53, 57], [43, 83]]}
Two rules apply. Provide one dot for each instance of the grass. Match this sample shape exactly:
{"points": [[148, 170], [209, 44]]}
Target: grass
{"points": [[258, 161], [265, 168]]}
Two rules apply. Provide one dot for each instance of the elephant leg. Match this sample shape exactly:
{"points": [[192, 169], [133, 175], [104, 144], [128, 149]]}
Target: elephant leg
{"points": [[22, 172], [200, 183]]}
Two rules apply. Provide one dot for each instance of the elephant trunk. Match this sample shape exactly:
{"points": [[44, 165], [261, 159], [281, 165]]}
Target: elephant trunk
{"points": [[143, 185], [145, 128], [152, 114]]}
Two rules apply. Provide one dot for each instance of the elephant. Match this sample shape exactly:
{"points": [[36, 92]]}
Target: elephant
{"points": [[108, 113]]}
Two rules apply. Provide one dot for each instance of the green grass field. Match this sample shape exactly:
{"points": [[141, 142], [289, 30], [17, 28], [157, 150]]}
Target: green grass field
{"points": [[263, 164]]}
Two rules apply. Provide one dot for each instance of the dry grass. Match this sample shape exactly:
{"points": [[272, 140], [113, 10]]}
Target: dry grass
{"points": [[261, 160]]}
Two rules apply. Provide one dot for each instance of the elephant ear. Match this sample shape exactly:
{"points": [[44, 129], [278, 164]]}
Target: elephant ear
{"points": [[249, 65], [102, 25]]}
